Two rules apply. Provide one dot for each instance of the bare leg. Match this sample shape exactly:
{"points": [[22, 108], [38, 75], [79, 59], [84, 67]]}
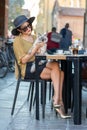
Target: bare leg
{"points": [[53, 71]]}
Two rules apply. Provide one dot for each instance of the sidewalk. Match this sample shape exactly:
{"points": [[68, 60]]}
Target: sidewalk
{"points": [[23, 119]]}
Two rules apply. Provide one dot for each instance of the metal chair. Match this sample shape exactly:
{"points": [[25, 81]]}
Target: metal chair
{"points": [[31, 90]]}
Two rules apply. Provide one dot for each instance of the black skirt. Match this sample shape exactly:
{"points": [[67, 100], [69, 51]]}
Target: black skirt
{"points": [[29, 75]]}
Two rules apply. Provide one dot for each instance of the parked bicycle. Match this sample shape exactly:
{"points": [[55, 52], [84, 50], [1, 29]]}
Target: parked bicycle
{"points": [[10, 54], [6, 57], [3, 64]]}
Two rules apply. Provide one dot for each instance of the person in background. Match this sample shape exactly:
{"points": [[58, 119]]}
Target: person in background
{"points": [[66, 39], [23, 42], [53, 40]]}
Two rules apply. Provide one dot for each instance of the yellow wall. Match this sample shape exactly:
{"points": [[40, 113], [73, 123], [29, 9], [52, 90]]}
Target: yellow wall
{"points": [[76, 25], [45, 18], [67, 3]]}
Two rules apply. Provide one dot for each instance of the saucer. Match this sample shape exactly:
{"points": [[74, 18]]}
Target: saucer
{"points": [[67, 52], [58, 53]]}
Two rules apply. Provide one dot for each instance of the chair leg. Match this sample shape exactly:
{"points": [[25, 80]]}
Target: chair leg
{"points": [[31, 99], [43, 98], [34, 98], [15, 97], [86, 112], [72, 105], [29, 91], [43, 83], [49, 90]]}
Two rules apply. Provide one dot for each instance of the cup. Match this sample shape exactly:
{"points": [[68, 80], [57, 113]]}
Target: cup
{"points": [[75, 51]]}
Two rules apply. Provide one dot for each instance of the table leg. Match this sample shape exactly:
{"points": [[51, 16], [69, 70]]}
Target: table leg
{"points": [[69, 83], [77, 91], [64, 68], [37, 89], [67, 68], [37, 59]]}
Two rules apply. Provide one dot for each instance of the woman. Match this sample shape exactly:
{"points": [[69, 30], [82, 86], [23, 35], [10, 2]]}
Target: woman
{"points": [[22, 44]]}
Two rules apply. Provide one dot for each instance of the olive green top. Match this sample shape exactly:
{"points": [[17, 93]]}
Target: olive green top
{"points": [[21, 48]]}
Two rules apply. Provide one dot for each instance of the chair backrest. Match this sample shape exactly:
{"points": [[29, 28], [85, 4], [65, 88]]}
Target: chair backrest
{"points": [[19, 70]]}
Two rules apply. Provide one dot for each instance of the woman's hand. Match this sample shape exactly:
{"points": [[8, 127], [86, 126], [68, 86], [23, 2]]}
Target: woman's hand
{"points": [[37, 47], [41, 44], [35, 50]]}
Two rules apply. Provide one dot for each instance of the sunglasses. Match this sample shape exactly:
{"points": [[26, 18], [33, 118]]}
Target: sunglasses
{"points": [[26, 28]]}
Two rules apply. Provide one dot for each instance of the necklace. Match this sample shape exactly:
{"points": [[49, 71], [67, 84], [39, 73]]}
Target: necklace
{"points": [[27, 38]]}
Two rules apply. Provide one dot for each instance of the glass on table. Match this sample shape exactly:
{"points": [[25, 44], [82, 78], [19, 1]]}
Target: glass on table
{"points": [[74, 48], [75, 51]]}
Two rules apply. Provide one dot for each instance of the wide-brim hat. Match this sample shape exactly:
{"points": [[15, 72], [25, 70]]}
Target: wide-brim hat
{"points": [[19, 21]]}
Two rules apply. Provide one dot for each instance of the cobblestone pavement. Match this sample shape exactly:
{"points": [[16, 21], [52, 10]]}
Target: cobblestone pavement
{"points": [[25, 120]]}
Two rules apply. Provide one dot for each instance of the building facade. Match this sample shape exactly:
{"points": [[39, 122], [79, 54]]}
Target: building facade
{"points": [[46, 10], [72, 3], [73, 16], [3, 18]]}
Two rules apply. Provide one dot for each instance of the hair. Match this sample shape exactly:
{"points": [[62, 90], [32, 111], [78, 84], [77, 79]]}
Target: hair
{"points": [[67, 25], [53, 29], [31, 27]]}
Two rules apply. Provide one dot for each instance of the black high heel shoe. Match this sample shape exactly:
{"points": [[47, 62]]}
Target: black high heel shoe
{"points": [[61, 113]]}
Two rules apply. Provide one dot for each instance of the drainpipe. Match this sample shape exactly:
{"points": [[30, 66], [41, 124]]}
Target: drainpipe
{"points": [[86, 6], [85, 26]]}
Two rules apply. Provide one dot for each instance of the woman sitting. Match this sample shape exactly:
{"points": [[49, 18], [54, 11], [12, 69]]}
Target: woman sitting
{"points": [[22, 44]]}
